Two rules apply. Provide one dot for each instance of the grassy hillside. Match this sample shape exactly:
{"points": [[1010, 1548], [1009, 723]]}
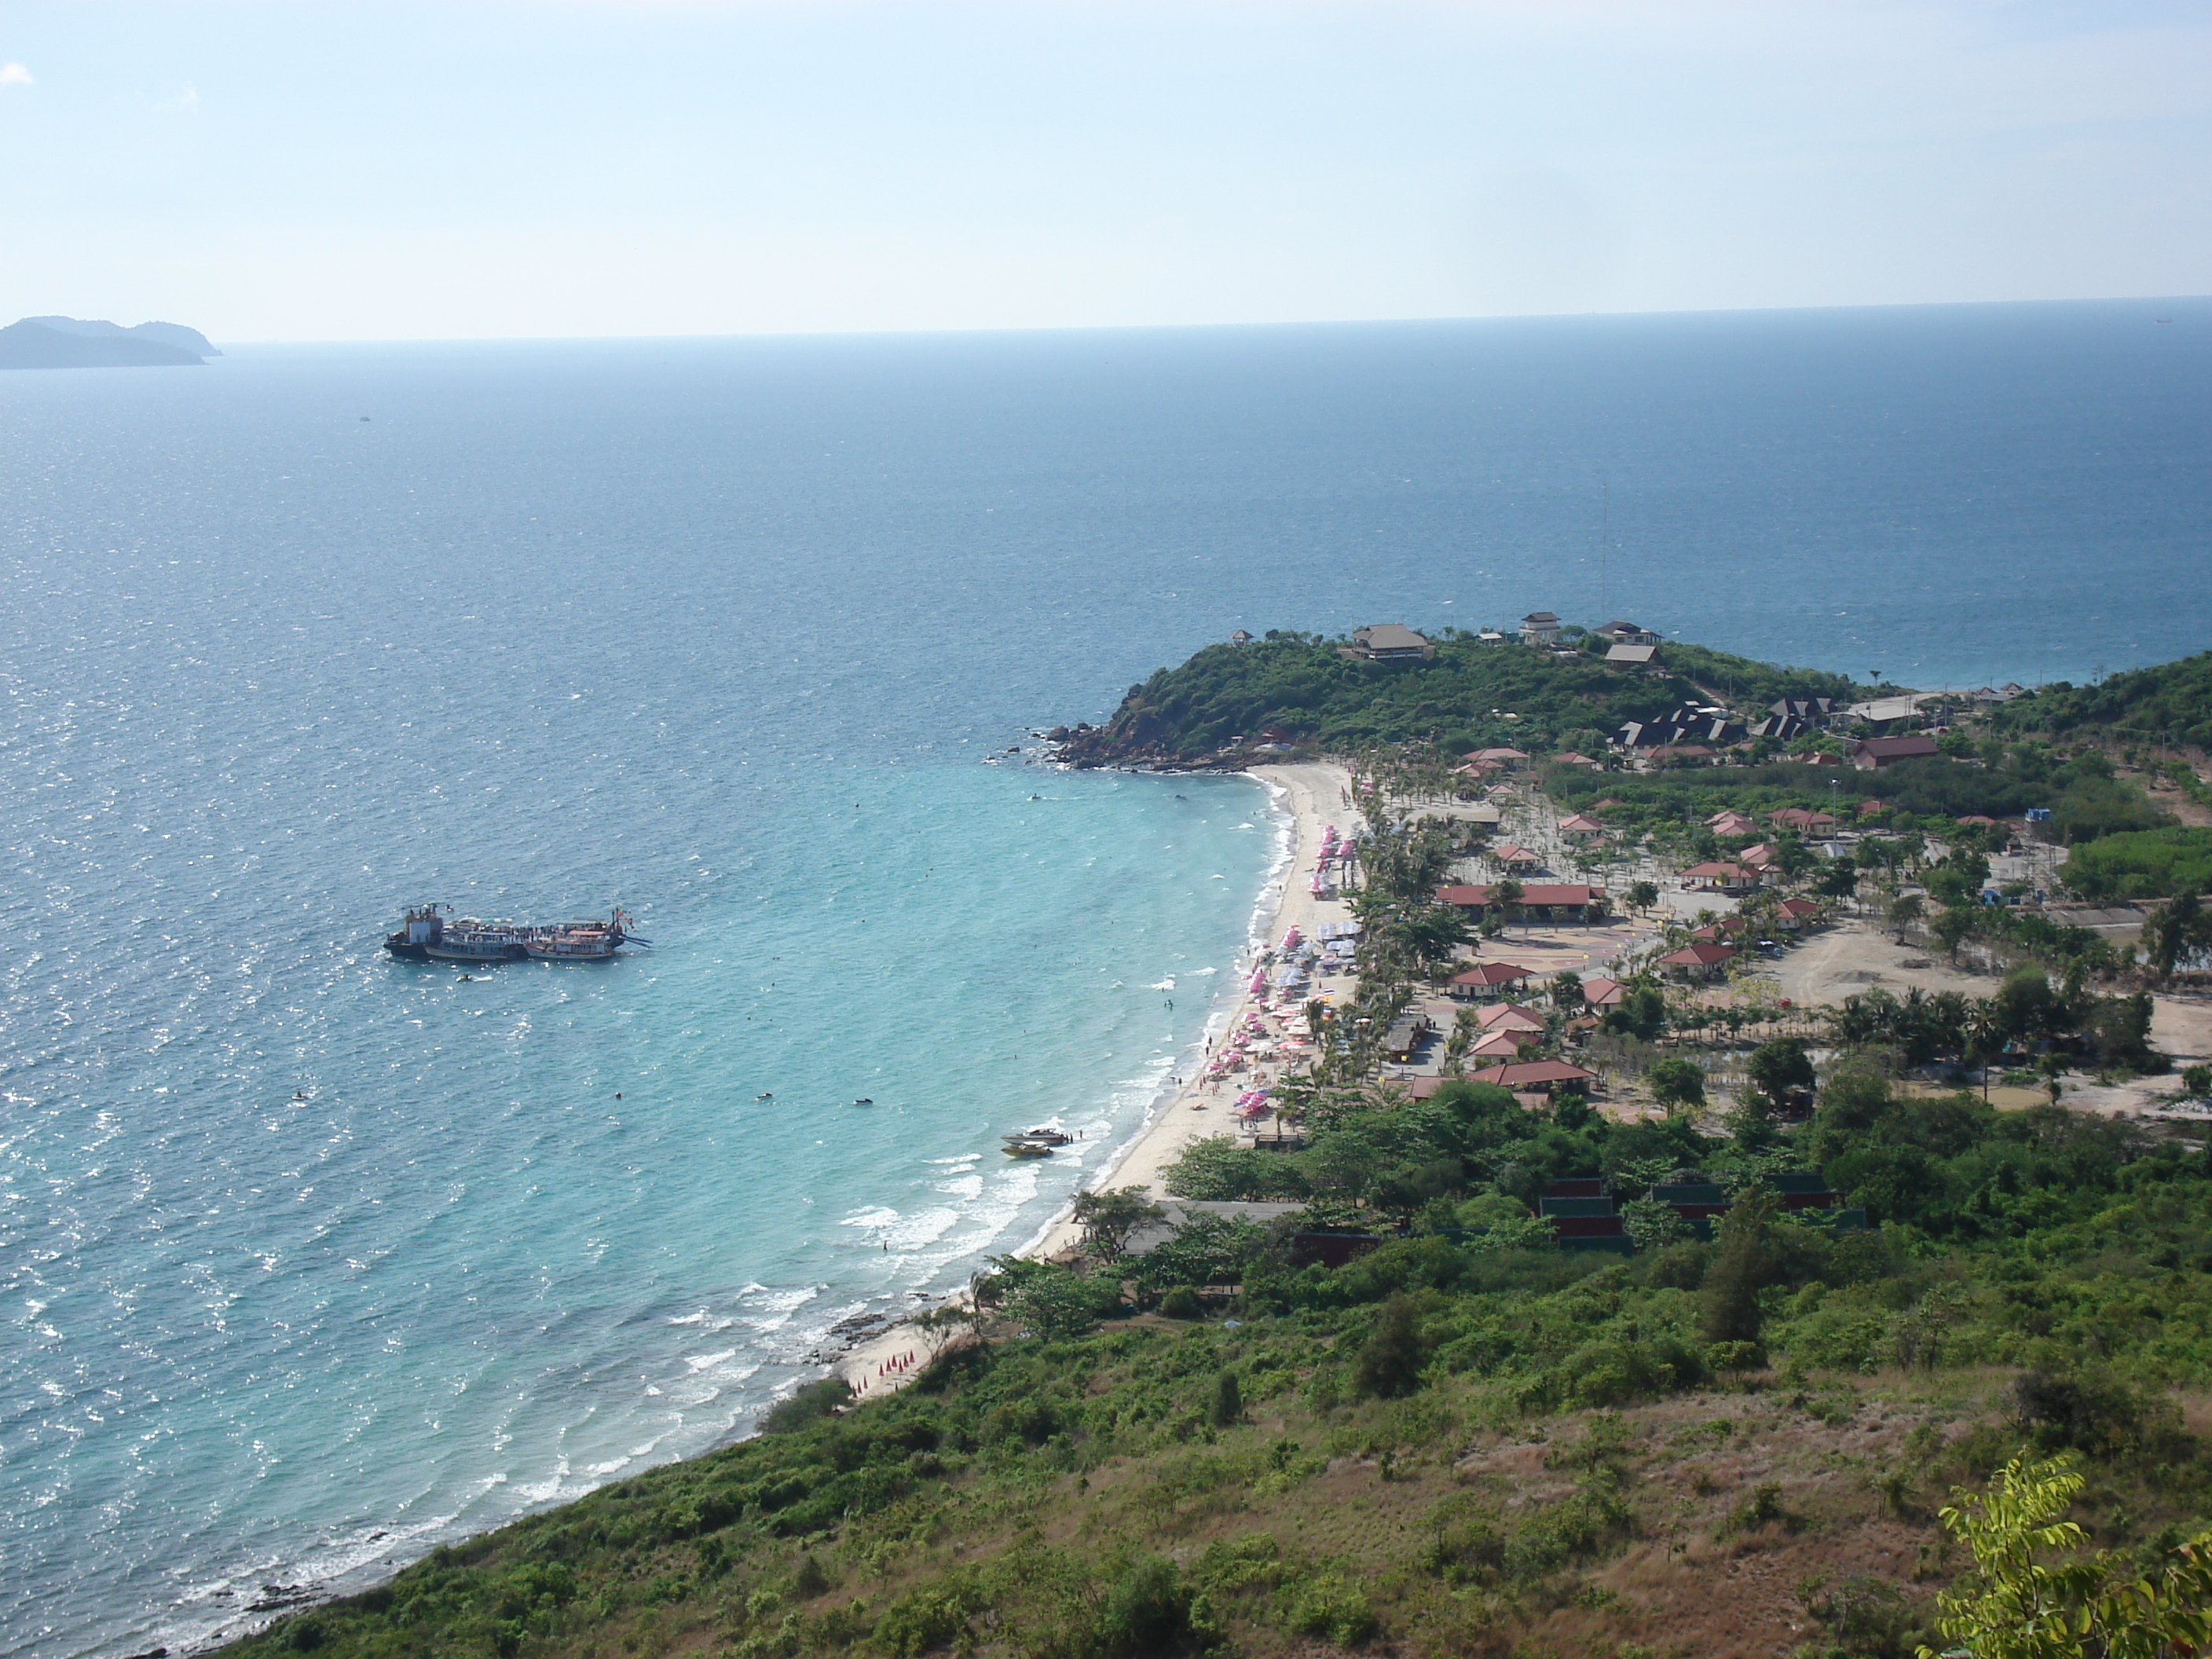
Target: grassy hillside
{"points": [[1708, 1449], [1301, 687], [2169, 703]]}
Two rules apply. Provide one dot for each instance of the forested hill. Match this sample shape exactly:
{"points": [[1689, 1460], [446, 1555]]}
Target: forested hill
{"points": [[2169, 703], [1303, 688]]}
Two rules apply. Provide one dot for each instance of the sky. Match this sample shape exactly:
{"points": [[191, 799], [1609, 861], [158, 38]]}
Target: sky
{"points": [[324, 170]]}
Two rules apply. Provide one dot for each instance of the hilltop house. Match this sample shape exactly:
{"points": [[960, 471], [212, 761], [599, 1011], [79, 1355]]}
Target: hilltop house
{"points": [[1390, 642], [1627, 633], [1539, 628], [1633, 656]]}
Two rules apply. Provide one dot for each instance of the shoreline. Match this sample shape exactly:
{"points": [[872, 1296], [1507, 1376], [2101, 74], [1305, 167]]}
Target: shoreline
{"points": [[1311, 795]]}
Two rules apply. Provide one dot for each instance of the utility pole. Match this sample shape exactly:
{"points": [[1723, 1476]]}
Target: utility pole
{"points": [[1604, 539]]}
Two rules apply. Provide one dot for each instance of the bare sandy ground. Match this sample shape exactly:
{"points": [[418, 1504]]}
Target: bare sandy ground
{"points": [[1856, 956]]}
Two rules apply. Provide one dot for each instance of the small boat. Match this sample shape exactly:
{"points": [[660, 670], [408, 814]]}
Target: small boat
{"points": [[766, 1096], [1017, 1147], [1047, 1136], [864, 1101]]}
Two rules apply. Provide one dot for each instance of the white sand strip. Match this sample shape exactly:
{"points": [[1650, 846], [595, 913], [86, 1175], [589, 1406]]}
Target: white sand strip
{"points": [[1315, 795]]}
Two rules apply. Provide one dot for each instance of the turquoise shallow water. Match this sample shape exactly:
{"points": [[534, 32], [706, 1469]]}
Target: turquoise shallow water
{"points": [[723, 630]]}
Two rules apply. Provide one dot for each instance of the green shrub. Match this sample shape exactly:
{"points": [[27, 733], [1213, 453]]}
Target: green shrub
{"points": [[1390, 1359], [1331, 1606], [1182, 1303], [810, 1405]]}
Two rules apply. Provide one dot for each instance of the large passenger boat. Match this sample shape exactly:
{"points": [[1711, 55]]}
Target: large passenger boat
{"points": [[580, 941], [426, 935]]}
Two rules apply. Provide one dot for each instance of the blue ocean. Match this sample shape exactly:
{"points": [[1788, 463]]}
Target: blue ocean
{"points": [[310, 1258]]}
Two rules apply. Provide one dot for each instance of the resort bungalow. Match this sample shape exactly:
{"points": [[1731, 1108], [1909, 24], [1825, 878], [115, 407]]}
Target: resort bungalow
{"points": [[1487, 979], [1390, 642], [1538, 1076], [1731, 824], [1797, 913], [1698, 961], [1633, 656], [1797, 818], [1601, 995], [1579, 825], [1510, 1017], [1627, 633], [1872, 754], [1540, 901], [1539, 628], [1515, 861], [1505, 757], [1407, 1035], [1720, 876], [1571, 758], [1493, 1047]]}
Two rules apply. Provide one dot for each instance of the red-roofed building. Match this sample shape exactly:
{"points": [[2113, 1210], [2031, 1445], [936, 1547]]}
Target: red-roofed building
{"points": [[1486, 979], [1539, 1076], [1698, 961], [1868, 808], [1872, 754], [1579, 825], [1601, 993], [1796, 818], [1510, 857], [1720, 874], [1510, 1016], [1542, 900]]}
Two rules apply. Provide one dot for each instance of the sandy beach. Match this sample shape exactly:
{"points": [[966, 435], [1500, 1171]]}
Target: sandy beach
{"points": [[1315, 795]]}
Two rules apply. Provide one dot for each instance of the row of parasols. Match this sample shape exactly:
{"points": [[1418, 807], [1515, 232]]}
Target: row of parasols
{"points": [[1251, 1042], [1332, 851]]}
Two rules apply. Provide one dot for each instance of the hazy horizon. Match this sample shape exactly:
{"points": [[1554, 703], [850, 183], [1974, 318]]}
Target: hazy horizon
{"points": [[577, 169]]}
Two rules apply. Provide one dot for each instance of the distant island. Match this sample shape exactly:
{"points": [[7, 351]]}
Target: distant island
{"points": [[66, 342]]}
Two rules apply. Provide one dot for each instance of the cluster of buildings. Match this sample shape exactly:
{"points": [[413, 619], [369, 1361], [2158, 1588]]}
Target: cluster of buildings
{"points": [[1696, 732]]}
